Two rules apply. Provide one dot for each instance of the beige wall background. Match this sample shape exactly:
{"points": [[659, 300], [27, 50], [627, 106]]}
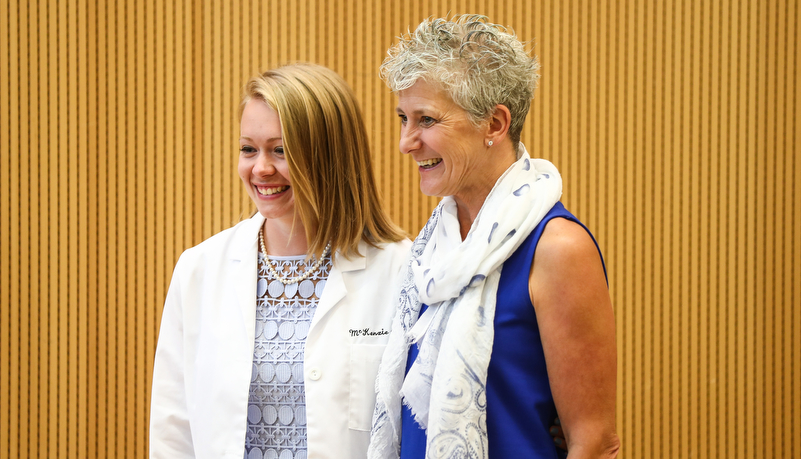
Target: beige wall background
{"points": [[675, 125]]}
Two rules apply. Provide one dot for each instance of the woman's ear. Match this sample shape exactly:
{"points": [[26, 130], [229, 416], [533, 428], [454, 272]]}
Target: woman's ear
{"points": [[499, 123]]}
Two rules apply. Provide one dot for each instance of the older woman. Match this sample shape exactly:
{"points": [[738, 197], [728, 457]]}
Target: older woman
{"points": [[272, 330], [504, 316]]}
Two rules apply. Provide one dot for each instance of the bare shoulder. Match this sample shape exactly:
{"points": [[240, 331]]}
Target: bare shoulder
{"points": [[566, 264], [564, 238], [577, 329]]}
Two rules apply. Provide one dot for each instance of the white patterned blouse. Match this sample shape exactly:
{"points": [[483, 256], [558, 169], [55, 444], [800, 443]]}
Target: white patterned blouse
{"points": [[276, 426]]}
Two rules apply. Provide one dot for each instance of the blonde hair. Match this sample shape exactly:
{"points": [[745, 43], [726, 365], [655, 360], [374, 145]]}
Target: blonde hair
{"points": [[328, 154], [477, 63]]}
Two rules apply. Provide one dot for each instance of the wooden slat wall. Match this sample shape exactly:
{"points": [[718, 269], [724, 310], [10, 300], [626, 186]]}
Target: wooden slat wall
{"points": [[674, 125]]}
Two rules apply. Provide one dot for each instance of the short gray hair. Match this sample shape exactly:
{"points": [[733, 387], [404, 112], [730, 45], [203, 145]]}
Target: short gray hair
{"points": [[477, 63]]}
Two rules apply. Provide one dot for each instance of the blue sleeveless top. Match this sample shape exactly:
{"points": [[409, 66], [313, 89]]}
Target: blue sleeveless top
{"points": [[520, 407]]}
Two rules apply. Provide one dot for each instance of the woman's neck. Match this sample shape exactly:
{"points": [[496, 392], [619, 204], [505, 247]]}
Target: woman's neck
{"points": [[471, 200], [283, 238]]}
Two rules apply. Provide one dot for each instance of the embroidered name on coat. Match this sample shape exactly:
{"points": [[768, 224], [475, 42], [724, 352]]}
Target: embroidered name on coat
{"points": [[367, 332]]}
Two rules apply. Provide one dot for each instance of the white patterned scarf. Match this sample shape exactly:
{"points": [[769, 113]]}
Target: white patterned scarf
{"points": [[458, 280]]}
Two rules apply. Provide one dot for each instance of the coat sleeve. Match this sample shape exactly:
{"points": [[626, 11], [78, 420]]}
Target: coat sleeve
{"points": [[170, 433]]}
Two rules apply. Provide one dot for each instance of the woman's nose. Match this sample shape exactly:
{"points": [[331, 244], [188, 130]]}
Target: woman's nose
{"points": [[409, 140], [264, 166]]}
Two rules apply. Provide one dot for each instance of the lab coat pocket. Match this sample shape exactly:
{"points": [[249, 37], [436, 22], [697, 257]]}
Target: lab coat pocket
{"points": [[364, 361]]}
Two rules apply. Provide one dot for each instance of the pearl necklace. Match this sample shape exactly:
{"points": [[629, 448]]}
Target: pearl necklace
{"points": [[293, 280]]}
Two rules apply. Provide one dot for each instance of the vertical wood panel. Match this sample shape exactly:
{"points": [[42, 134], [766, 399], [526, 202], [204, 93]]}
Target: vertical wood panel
{"points": [[791, 250], [9, 377], [9, 200], [91, 224], [674, 125], [78, 418]]}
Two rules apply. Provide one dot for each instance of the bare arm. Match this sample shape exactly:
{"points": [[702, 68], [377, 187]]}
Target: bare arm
{"points": [[574, 313]]}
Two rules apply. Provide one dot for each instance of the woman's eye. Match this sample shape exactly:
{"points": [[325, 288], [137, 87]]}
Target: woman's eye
{"points": [[279, 150], [426, 121], [403, 119], [247, 149]]}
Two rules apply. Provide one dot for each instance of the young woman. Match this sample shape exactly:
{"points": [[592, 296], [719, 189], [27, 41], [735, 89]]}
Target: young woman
{"points": [[272, 330]]}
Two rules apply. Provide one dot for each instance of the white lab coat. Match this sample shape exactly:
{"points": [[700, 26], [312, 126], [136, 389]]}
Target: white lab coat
{"points": [[204, 357]]}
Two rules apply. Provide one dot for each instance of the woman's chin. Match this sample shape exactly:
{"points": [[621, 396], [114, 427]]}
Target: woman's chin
{"points": [[429, 191], [431, 188]]}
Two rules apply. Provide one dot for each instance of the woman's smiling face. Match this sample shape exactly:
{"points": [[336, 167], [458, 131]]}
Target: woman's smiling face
{"points": [[450, 151], [262, 165]]}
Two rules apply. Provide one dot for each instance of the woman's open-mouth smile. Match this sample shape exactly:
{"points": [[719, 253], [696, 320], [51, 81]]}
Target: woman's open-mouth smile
{"points": [[429, 163], [269, 191]]}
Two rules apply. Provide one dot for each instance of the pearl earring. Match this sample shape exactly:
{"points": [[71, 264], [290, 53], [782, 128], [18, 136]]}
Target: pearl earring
{"points": [[489, 144]]}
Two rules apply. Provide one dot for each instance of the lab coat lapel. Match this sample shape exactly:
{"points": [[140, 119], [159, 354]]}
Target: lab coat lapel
{"points": [[335, 287], [243, 271]]}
